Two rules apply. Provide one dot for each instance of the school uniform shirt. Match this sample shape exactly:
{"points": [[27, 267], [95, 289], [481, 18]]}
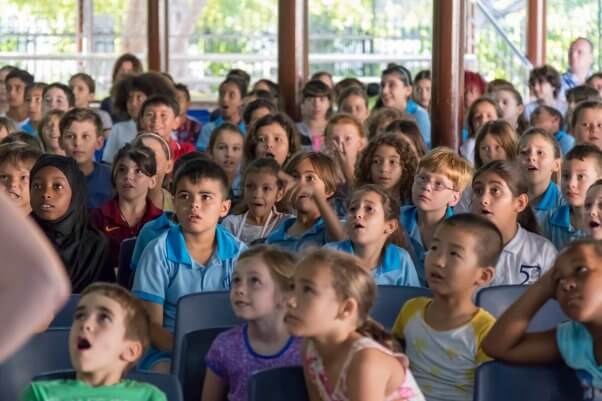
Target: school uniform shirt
{"points": [[99, 186], [180, 149], [576, 347], [422, 120], [203, 140], [77, 390], [408, 218], [166, 271], [524, 259], [189, 130], [467, 149], [443, 362], [122, 133], [565, 140], [316, 236], [394, 268], [568, 81], [29, 128], [551, 199], [556, 226], [559, 105], [109, 220]]}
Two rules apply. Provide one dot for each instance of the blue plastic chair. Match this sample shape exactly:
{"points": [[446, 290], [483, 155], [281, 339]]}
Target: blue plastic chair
{"points": [[64, 318], [124, 271], [44, 352], [167, 383], [499, 381], [499, 298], [188, 363], [279, 384], [390, 299]]}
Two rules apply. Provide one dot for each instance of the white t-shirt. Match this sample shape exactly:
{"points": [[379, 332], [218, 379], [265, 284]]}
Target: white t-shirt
{"points": [[121, 134], [247, 233], [524, 259]]}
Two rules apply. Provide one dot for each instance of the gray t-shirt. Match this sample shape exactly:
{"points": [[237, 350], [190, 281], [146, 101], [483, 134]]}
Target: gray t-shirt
{"points": [[247, 233]]}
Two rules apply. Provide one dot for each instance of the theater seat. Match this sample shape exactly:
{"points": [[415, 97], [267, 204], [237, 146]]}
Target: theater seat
{"points": [[279, 384], [390, 299], [124, 270]]}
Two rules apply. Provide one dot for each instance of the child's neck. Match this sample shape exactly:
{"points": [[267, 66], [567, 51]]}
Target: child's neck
{"points": [[370, 253], [509, 231], [335, 344], [268, 334], [87, 167], [427, 221], [200, 245], [257, 220], [156, 195], [17, 114], [537, 190], [97, 379], [450, 311], [233, 118], [318, 124], [132, 210], [304, 221]]}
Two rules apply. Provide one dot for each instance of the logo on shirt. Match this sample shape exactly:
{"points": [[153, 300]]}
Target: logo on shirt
{"points": [[530, 274], [109, 228]]}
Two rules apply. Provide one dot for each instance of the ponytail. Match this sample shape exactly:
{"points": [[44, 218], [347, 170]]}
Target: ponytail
{"points": [[374, 330]]}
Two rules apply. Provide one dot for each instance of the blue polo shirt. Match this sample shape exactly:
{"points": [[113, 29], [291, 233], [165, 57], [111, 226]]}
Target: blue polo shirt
{"points": [[149, 232], [202, 141], [316, 236], [409, 221], [99, 186], [166, 271], [551, 199], [395, 266], [565, 140], [423, 121], [556, 226]]}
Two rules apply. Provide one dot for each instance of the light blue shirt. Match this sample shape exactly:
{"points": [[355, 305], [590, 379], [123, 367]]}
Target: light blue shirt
{"points": [[408, 218], [316, 236], [551, 199], [576, 347], [395, 266], [565, 140], [150, 231], [202, 141], [422, 120], [166, 271], [556, 226]]}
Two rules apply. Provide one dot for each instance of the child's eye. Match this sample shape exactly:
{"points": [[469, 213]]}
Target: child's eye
{"points": [[183, 196], [455, 254], [433, 248], [58, 186], [206, 197], [104, 317], [580, 176], [307, 289], [255, 281], [236, 280], [79, 316], [582, 269]]}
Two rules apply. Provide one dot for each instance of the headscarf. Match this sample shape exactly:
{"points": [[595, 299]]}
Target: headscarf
{"points": [[83, 250]]}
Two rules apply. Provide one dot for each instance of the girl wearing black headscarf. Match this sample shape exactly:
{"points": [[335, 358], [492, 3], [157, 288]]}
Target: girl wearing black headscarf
{"points": [[58, 202]]}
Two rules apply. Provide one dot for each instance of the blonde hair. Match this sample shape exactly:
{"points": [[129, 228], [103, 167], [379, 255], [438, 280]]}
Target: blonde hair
{"points": [[445, 161], [280, 263]]}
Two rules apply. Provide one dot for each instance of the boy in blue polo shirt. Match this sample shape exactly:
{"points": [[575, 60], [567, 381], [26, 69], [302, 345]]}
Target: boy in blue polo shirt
{"points": [[582, 166], [194, 256], [440, 179], [551, 121]]}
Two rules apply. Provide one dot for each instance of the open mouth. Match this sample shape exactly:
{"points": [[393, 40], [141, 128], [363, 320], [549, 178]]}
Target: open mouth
{"points": [[357, 226], [532, 168], [83, 344], [436, 276], [270, 154], [594, 224], [46, 206], [13, 195]]}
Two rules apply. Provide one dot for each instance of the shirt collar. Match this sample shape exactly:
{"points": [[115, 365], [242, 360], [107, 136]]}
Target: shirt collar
{"points": [[411, 106], [220, 120], [280, 233], [226, 245], [516, 243], [561, 217], [112, 212], [549, 198], [391, 258], [560, 135]]}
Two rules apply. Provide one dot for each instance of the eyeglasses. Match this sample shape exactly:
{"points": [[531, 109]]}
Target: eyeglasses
{"points": [[423, 180]]}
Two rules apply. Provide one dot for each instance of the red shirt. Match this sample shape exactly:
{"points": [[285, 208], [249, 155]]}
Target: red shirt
{"points": [[180, 149], [189, 130], [108, 219]]}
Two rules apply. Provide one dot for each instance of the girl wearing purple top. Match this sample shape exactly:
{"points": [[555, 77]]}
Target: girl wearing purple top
{"points": [[260, 283]]}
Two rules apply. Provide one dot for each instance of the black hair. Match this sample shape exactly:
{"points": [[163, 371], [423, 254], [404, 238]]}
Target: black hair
{"points": [[548, 74], [149, 83], [424, 74], [88, 80], [66, 90], [539, 110], [198, 169], [142, 155], [183, 88], [22, 138], [404, 74], [255, 105], [583, 151], [236, 80], [160, 100], [22, 75]]}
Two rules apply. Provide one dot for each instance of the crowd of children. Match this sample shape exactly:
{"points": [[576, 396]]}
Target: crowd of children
{"points": [[242, 204]]}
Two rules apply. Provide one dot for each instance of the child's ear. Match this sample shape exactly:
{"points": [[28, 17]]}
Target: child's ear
{"points": [[176, 123], [485, 276], [522, 202], [225, 207], [456, 195], [169, 167], [153, 181], [347, 308], [391, 226], [100, 140], [557, 165], [132, 351], [279, 194]]}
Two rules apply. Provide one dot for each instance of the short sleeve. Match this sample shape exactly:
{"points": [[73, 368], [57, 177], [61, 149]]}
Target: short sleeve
{"points": [[408, 277], [111, 146], [157, 395], [31, 393], [568, 337], [215, 359], [152, 275], [482, 324], [409, 309], [144, 237], [549, 253], [231, 223], [203, 139]]}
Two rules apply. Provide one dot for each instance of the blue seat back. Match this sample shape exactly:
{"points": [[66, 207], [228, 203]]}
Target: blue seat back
{"points": [[279, 384], [390, 299], [64, 318], [46, 351], [498, 381], [497, 299], [124, 270]]}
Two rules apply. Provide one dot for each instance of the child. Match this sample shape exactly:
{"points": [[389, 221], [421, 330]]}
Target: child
{"points": [[23, 138], [130, 93], [316, 222], [474, 87], [540, 160], [231, 94], [422, 89], [354, 101], [592, 210], [81, 136], [158, 195], [551, 121], [133, 175], [262, 189], [16, 161], [7, 127], [510, 102], [272, 136], [189, 128], [443, 334], [396, 89], [57, 96], [324, 77], [58, 203], [159, 114], [500, 193], [376, 238], [225, 147], [408, 130], [576, 95], [545, 85], [581, 167], [84, 88], [257, 109], [346, 355], [381, 118], [345, 140], [50, 132], [574, 282], [586, 124], [316, 108], [260, 284], [388, 161], [482, 110], [33, 97], [440, 179], [496, 140], [16, 81], [108, 335], [195, 255]]}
